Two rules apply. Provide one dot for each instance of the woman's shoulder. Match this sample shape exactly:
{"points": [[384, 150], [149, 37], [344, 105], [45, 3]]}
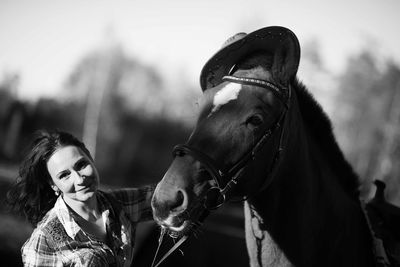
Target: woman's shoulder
{"points": [[40, 235], [42, 247], [119, 195], [47, 232], [132, 194], [135, 202]]}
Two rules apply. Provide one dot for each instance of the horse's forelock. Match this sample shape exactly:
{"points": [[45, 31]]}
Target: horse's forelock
{"points": [[256, 59]]}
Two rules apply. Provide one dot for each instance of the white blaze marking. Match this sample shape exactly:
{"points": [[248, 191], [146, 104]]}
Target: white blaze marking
{"points": [[228, 93]]}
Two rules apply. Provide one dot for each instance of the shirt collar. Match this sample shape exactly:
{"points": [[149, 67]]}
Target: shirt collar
{"points": [[65, 217]]}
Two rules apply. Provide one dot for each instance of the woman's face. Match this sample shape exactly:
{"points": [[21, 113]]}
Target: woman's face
{"points": [[73, 173]]}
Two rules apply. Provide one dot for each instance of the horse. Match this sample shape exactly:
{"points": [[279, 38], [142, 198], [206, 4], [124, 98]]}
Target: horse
{"points": [[261, 137]]}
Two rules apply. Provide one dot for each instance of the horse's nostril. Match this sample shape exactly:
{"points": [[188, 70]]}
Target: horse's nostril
{"points": [[165, 205], [179, 201]]}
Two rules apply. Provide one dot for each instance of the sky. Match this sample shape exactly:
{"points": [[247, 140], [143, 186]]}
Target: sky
{"points": [[43, 40]]}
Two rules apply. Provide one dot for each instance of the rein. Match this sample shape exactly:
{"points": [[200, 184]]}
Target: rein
{"points": [[216, 196]]}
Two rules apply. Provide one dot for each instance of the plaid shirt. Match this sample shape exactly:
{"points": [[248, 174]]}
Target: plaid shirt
{"points": [[59, 241]]}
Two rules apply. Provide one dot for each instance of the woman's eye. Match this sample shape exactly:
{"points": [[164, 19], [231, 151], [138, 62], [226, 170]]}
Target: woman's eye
{"points": [[82, 165], [63, 175], [255, 120]]}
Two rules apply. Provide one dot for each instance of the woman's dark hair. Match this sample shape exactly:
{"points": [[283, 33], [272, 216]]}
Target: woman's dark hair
{"points": [[32, 195]]}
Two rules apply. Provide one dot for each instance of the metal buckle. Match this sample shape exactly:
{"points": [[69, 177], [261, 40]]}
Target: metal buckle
{"points": [[214, 198]]}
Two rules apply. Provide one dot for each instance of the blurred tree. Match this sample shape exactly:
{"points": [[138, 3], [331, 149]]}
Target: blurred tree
{"points": [[130, 114], [50, 114], [368, 118], [317, 77], [388, 155], [12, 116], [357, 102], [6, 102]]}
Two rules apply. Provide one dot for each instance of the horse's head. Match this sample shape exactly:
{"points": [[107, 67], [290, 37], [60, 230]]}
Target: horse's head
{"points": [[234, 146]]}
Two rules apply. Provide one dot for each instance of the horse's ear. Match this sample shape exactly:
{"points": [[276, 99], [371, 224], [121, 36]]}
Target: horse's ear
{"points": [[286, 61], [279, 42]]}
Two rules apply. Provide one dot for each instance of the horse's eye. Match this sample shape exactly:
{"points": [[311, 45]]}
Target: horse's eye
{"points": [[255, 120]]}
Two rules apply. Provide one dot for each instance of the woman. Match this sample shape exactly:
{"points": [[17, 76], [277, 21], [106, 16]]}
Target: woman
{"points": [[76, 224]]}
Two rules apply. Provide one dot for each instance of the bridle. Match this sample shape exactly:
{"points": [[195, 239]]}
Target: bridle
{"points": [[216, 196]]}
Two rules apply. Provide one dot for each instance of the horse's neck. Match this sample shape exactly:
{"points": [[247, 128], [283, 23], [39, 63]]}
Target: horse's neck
{"points": [[306, 215]]}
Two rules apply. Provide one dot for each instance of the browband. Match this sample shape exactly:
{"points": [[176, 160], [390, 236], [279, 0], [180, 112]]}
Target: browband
{"points": [[282, 93]]}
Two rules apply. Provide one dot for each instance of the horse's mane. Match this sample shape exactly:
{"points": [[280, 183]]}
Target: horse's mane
{"points": [[320, 127]]}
